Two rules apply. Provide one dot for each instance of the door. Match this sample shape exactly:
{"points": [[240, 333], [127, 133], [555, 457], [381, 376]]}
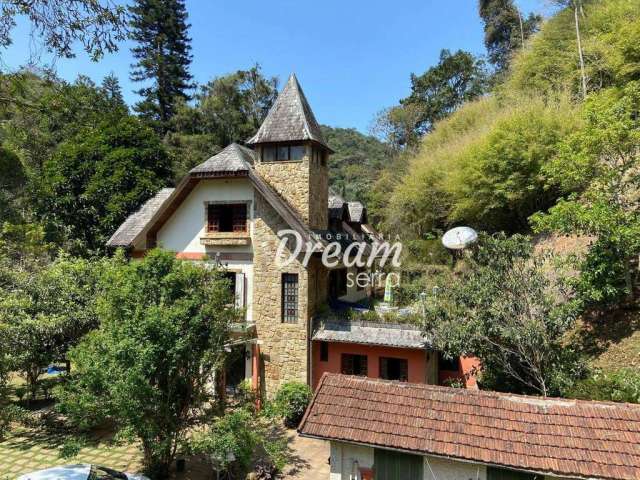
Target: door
{"points": [[390, 465]]}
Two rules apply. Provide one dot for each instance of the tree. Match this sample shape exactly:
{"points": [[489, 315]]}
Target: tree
{"points": [[356, 163], [457, 78], [45, 311], [505, 30], [163, 327], [97, 178], [227, 109], [97, 25], [162, 53], [597, 171], [577, 6], [234, 106], [510, 309], [47, 111], [112, 92]]}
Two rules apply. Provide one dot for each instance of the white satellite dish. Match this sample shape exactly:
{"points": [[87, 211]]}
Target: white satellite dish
{"points": [[459, 238]]}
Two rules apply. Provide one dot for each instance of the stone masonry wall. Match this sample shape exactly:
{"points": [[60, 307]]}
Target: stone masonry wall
{"points": [[284, 345], [304, 184]]}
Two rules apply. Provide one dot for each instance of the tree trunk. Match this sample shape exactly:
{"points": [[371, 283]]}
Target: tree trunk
{"points": [[583, 75], [157, 463], [521, 28]]}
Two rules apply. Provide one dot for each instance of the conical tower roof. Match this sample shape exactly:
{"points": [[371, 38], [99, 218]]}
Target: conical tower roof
{"points": [[290, 119]]}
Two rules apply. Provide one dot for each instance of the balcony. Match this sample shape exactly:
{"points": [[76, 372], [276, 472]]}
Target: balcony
{"points": [[226, 239]]}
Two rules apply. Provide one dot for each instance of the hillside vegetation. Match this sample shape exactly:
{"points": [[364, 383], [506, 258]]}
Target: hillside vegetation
{"points": [[538, 155], [475, 169], [356, 163]]}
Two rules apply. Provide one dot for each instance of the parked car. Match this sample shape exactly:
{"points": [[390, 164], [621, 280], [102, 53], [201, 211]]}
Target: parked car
{"points": [[80, 472]]}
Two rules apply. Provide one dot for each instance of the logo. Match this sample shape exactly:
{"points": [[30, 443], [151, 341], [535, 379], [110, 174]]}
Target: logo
{"points": [[342, 249]]}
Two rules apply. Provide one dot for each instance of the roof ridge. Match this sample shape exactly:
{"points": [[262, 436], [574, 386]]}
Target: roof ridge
{"points": [[492, 393], [290, 118]]}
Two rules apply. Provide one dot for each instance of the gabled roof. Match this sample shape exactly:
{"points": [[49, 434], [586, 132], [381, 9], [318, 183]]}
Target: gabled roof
{"points": [[337, 206], [290, 119], [357, 212], [137, 221], [234, 158], [568, 438]]}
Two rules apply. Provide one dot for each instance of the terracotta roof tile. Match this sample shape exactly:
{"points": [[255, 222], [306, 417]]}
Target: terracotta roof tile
{"points": [[554, 436]]}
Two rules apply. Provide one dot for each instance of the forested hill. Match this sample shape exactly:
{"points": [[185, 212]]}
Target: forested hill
{"points": [[356, 163]]}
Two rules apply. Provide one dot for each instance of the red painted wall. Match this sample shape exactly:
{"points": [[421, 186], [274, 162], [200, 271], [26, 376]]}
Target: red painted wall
{"points": [[416, 360], [467, 368]]}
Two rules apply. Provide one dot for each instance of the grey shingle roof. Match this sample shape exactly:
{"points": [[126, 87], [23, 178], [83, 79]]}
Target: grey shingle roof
{"points": [[336, 205], [371, 333], [356, 211], [234, 158], [137, 221], [290, 118]]}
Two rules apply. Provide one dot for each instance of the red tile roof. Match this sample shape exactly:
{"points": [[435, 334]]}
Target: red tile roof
{"points": [[553, 436]]}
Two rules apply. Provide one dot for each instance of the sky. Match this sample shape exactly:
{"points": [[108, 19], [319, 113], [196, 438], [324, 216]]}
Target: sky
{"points": [[352, 57]]}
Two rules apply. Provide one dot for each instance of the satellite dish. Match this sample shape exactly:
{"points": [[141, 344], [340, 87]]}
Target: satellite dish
{"points": [[459, 238]]}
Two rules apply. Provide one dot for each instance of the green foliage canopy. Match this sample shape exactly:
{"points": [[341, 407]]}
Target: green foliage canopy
{"points": [[45, 312], [598, 169], [510, 309], [96, 179], [163, 326]]}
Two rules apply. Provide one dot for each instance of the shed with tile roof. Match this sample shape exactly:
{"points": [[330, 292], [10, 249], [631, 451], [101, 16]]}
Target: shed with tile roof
{"points": [[488, 430]]}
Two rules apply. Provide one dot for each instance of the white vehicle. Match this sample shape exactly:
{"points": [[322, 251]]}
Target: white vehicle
{"points": [[80, 472]]}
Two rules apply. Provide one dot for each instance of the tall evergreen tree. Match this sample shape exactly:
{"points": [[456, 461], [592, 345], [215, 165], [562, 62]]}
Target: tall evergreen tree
{"points": [[505, 30], [112, 92], [163, 56]]}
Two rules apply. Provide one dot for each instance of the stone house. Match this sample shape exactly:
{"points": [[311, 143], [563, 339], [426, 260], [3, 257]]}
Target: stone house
{"points": [[386, 430], [230, 209]]}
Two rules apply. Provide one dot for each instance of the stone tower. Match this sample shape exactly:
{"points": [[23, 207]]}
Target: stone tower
{"points": [[291, 156]]}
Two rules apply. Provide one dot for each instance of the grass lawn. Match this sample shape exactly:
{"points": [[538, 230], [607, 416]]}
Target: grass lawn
{"points": [[24, 450]]}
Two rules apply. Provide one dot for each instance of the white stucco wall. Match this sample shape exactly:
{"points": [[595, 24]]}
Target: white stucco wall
{"points": [[182, 232], [343, 456], [442, 469]]}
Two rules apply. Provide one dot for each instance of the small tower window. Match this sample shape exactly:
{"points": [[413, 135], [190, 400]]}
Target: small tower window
{"points": [[283, 153]]}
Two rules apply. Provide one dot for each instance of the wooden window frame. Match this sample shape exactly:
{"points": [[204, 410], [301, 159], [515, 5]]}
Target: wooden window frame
{"points": [[239, 223], [347, 369], [404, 377]]}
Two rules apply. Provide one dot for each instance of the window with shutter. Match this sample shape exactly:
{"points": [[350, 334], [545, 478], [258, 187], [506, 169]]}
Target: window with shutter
{"points": [[239, 218], [352, 364], [227, 217], [394, 369], [213, 218]]}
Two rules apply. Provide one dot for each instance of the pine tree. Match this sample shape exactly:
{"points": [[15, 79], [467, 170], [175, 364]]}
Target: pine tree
{"points": [[505, 30], [112, 92], [163, 57]]}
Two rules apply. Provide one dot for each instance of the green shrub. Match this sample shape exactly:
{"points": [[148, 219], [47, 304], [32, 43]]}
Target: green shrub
{"points": [[71, 447], [20, 392], [618, 386], [247, 395], [291, 402]]}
